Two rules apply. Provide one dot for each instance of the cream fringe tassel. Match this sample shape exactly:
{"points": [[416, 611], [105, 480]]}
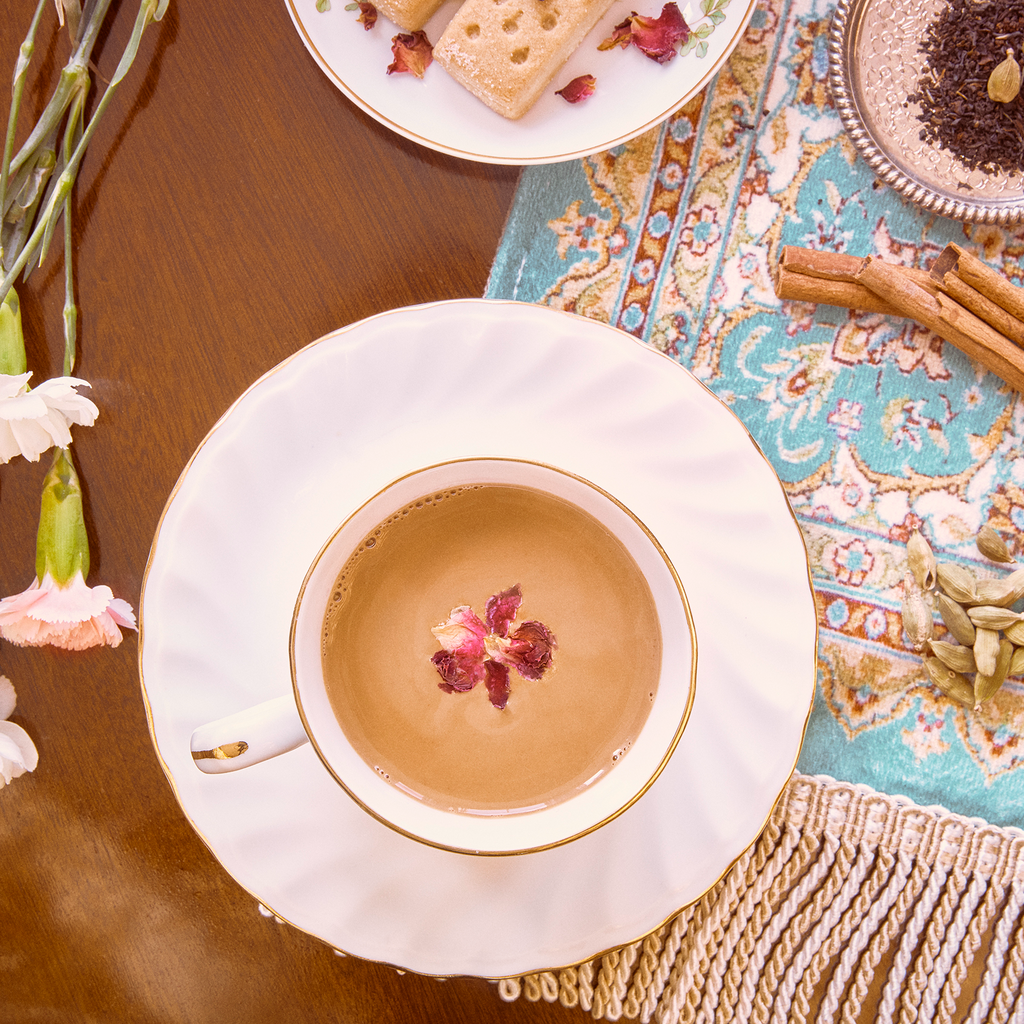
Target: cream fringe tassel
{"points": [[851, 906]]}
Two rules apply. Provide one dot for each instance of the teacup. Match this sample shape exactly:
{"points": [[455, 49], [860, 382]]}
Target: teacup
{"points": [[491, 656]]}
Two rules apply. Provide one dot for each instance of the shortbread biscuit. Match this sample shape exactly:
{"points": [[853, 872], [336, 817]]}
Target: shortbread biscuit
{"points": [[506, 52], [408, 14]]}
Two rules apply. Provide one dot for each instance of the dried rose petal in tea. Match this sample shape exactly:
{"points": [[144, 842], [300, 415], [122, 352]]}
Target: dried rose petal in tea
{"points": [[963, 46], [474, 651]]}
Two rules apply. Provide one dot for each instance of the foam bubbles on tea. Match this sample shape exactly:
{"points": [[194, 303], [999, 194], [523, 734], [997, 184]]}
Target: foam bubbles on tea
{"points": [[557, 734]]}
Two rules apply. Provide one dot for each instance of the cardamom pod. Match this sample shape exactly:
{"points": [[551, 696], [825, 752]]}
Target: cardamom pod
{"points": [[986, 685], [957, 620], [1016, 583], [951, 683], [986, 650], [1017, 662], [921, 560], [1004, 82], [991, 545], [1015, 633], [917, 616], [958, 582], [992, 617], [954, 656], [1001, 592]]}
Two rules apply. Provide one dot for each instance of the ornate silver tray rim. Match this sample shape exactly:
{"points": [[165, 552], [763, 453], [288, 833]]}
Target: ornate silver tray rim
{"points": [[883, 131]]}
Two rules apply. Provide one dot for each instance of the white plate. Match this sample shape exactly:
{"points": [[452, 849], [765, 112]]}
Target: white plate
{"points": [[327, 428], [633, 92]]}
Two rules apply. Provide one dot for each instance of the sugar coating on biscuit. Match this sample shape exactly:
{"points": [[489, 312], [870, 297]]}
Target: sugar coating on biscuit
{"points": [[506, 52], [411, 15]]}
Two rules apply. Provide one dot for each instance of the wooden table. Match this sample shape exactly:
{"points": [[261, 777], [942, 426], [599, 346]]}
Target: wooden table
{"points": [[233, 207]]}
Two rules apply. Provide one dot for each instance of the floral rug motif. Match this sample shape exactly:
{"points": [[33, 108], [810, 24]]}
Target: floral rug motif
{"points": [[874, 425]]}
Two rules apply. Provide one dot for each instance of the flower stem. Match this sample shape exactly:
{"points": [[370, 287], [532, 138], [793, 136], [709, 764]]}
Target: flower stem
{"points": [[20, 71], [72, 135], [49, 121], [77, 66], [70, 309], [149, 10]]}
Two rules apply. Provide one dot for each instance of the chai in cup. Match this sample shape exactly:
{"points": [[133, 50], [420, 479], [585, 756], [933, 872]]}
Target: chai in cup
{"points": [[570, 750], [461, 546]]}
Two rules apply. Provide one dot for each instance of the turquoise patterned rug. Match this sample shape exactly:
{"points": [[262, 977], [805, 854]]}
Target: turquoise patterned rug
{"points": [[875, 426]]}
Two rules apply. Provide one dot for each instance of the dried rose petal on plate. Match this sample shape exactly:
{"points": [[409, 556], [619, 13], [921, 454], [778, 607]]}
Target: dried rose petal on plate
{"points": [[622, 35], [655, 37], [412, 52], [367, 14], [579, 89]]}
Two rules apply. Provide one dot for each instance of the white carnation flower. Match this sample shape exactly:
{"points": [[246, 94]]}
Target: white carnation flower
{"points": [[18, 753], [34, 420], [7, 698]]}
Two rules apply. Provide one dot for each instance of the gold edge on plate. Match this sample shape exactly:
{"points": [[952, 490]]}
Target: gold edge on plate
{"points": [[512, 161], [807, 717], [148, 707]]}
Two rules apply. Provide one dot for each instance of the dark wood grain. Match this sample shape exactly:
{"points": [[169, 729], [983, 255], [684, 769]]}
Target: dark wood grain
{"points": [[233, 207]]}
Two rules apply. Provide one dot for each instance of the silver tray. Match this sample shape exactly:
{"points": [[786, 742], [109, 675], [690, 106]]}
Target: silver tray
{"points": [[874, 64]]}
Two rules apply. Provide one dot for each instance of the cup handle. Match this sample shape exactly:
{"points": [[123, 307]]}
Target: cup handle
{"points": [[248, 737]]}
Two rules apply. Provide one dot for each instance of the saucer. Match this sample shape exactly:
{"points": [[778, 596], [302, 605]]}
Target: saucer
{"points": [[633, 93], [335, 423]]}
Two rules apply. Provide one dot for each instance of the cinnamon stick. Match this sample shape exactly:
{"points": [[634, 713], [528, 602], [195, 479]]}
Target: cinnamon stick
{"points": [[984, 323], [947, 318], [789, 284], [979, 304], [837, 266], [830, 266], [979, 275]]}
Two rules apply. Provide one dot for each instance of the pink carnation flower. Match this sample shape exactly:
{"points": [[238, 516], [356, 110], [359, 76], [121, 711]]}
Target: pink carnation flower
{"points": [[60, 608], [75, 616]]}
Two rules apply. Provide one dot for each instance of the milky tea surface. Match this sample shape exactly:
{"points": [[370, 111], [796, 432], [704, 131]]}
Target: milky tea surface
{"points": [[458, 547]]}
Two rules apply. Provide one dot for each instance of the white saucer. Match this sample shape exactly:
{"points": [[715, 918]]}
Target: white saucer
{"points": [[307, 444], [634, 93]]}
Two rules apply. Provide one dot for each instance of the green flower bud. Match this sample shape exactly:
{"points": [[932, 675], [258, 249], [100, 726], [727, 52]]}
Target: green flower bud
{"points": [[12, 340], [62, 544]]}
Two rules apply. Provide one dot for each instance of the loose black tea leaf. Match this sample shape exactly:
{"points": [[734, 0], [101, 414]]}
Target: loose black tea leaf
{"points": [[962, 47]]}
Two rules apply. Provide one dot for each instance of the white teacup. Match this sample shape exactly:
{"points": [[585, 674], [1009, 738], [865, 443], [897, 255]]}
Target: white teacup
{"points": [[571, 749]]}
